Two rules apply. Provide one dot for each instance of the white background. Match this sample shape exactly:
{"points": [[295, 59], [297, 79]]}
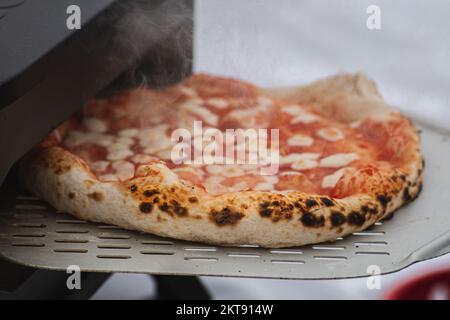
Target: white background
{"points": [[293, 42]]}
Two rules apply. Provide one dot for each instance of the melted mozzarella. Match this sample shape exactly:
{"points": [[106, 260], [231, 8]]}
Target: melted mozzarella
{"points": [[291, 173], [295, 157], [264, 186], [143, 158], [226, 170], [99, 166], [188, 91], [300, 140], [95, 125], [240, 186], [217, 103], [128, 133], [154, 139], [124, 170], [213, 185], [293, 110], [305, 118], [299, 114], [76, 138], [338, 160], [331, 180], [119, 154], [330, 134], [264, 102], [305, 164], [194, 106], [108, 177]]}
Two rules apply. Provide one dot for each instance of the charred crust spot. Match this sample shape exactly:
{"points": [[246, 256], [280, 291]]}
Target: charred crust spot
{"points": [[174, 208], [365, 209], [297, 204], [178, 209], [384, 200], [265, 212], [133, 188], [276, 210], [327, 201], [149, 193], [164, 207], [311, 203], [337, 218], [193, 199], [403, 177], [145, 207], [406, 195], [97, 196], [265, 204], [310, 220], [356, 218], [71, 195], [226, 216]]}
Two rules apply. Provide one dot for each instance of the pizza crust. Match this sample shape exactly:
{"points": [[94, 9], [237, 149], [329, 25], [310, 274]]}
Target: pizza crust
{"points": [[158, 202]]}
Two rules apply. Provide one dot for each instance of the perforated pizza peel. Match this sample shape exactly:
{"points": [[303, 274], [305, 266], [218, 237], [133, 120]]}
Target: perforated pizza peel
{"points": [[34, 234]]}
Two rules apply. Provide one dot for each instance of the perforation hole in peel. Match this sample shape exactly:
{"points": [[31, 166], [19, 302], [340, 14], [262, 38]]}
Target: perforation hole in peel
{"points": [[29, 235], [109, 227], [114, 246], [68, 221], [330, 258], [26, 206], [72, 231], [157, 253], [28, 244], [28, 216], [372, 253], [327, 247], [157, 243], [295, 262], [285, 251], [24, 197], [113, 257], [70, 250], [243, 255], [68, 240], [29, 225], [369, 233], [201, 259], [113, 236], [370, 244], [201, 249]]}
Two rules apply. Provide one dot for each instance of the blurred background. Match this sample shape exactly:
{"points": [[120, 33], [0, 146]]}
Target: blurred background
{"points": [[287, 42]]}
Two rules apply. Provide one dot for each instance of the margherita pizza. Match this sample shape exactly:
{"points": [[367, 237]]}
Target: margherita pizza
{"points": [[345, 160]]}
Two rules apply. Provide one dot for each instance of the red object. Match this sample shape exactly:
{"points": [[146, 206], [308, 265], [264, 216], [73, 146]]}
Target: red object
{"points": [[432, 286]]}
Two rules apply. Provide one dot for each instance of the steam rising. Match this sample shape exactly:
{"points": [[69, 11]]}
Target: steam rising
{"points": [[156, 37]]}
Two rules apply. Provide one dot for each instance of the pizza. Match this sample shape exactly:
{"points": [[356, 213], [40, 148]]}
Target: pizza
{"points": [[344, 160]]}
